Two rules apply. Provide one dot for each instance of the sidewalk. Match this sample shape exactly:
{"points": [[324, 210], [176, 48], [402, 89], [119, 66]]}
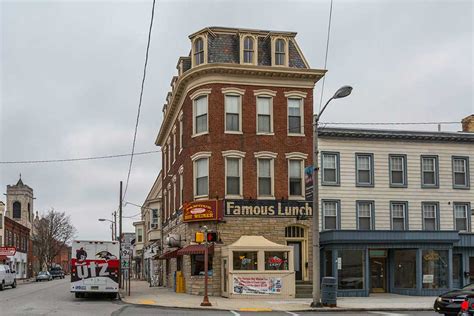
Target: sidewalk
{"points": [[142, 294]]}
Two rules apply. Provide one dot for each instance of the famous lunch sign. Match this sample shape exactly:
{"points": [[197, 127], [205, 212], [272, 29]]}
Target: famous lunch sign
{"points": [[267, 208]]}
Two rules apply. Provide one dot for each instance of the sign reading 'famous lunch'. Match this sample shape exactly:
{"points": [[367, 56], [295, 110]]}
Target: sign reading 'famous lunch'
{"points": [[263, 208]]}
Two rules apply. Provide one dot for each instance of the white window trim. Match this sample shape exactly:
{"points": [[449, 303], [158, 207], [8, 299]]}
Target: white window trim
{"points": [[301, 133], [271, 157], [255, 48], [164, 161], [196, 94], [273, 42], [303, 188], [233, 92], [296, 155], [174, 144], [204, 44], [295, 94], [181, 131], [181, 188], [264, 93], [165, 201], [265, 154], [169, 154], [196, 156], [174, 195], [241, 180]]}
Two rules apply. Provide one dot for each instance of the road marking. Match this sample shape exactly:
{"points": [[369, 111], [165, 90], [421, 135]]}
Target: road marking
{"points": [[388, 314], [255, 309], [235, 313], [291, 313]]}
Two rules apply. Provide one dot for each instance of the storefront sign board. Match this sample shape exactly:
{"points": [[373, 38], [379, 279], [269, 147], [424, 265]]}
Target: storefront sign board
{"points": [[428, 278], [267, 208], [7, 251], [198, 211], [256, 285]]}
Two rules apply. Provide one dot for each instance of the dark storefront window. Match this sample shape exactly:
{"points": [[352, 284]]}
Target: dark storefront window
{"points": [[457, 269], [276, 260], [435, 269], [197, 265], [245, 260], [351, 272], [328, 263], [405, 269]]}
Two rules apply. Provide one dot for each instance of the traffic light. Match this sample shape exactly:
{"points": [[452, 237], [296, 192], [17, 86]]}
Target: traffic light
{"points": [[199, 237], [211, 237]]}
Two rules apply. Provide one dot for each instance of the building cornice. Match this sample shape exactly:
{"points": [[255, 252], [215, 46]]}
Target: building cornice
{"points": [[236, 74]]}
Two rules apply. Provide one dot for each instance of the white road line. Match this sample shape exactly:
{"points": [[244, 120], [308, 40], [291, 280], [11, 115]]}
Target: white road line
{"points": [[235, 313], [388, 314], [291, 313]]}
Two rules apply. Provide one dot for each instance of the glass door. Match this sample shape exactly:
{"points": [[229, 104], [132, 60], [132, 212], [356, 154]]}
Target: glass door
{"points": [[457, 271], [225, 277], [297, 259], [378, 275]]}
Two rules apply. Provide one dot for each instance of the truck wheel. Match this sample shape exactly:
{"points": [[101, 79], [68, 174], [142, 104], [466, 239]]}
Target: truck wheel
{"points": [[2, 285], [77, 295], [14, 284]]}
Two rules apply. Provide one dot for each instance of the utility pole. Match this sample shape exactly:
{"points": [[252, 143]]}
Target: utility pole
{"points": [[120, 236], [114, 214]]}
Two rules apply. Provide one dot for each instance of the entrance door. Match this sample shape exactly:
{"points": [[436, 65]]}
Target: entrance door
{"points": [[225, 277], [378, 275], [297, 258], [457, 271], [471, 270]]}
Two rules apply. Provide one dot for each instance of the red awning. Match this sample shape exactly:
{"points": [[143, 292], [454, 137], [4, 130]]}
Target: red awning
{"points": [[169, 255], [195, 250]]}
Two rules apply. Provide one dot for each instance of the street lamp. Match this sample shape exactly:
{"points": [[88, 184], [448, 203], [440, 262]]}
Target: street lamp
{"points": [[113, 226], [340, 93]]}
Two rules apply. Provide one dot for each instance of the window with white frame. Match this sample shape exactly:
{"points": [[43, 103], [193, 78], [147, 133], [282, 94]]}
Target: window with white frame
{"points": [[364, 165], [430, 216], [295, 175], [461, 216], [330, 170], [264, 115], [330, 210], [429, 171], [232, 113], [174, 146], [460, 172], [198, 51], [174, 196], [364, 215], [139, 234], [233, 176], [398, 171], [181, 189], [164, 161], [248, 50], [295, 114], [200, 115], [154, 217], [280, 50], [181, 133], [399, 211], [265, 187], [202, 176]]}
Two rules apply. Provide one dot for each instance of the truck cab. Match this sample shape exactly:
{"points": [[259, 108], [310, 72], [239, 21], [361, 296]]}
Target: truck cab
{"points": [[7, 277]]}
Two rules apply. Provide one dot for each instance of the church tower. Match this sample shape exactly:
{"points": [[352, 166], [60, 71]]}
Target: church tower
{"points": [[20, 203]]}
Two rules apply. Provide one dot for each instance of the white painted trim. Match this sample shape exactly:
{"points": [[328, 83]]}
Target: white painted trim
{"points": [[204, 44], [273, 42], [233, 154], [181, 169], [232, 90], [295, 94], [264, 92], [201, 154], [194, 158], [296, 155], [265, 154], [199, 93], [270, 156], [303, 188], [264, 95], [255, 48], [301, 133], [234, 94]]}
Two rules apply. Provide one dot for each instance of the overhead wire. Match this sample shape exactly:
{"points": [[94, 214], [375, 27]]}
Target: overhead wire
{"points": [[326, 57]]}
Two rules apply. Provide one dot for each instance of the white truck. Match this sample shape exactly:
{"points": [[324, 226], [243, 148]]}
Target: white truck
{"points": [[7, 277], [95, 268]]}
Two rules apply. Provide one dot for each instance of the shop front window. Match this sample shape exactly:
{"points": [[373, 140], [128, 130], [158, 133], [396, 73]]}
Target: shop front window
{"points": [[350, 269], [197, 265], [405, 269], [245, 260], [328, 263], [435, 269], [276, 260]]}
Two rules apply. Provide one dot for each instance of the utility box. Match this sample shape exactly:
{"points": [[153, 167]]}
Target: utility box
{"points": [[329, 292], [180, 288]]}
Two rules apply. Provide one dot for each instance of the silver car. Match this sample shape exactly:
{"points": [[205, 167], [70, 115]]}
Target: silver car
{"points": [[43, 276]]}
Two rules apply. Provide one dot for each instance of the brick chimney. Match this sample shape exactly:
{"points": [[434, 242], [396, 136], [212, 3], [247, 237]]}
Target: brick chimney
{"points": [[468, 124]]}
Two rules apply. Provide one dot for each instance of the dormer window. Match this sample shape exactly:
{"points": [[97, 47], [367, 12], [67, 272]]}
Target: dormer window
{"points": [[198, 51], [248, 50], [280, 52]]}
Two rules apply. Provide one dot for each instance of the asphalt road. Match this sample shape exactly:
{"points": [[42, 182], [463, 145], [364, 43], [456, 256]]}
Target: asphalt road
{"points": [[54, 298]]}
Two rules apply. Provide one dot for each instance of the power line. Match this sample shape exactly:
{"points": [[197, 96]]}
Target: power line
{"points": [[387, 123], [140, 101], [326, 57]]}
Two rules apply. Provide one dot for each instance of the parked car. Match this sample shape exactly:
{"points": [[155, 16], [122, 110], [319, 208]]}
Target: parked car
{"points": [[7, 277], [44, 276], [57, 272], [450, 303]]}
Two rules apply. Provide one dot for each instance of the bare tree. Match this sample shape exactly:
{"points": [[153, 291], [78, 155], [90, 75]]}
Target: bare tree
{"points": [[51, 233]]}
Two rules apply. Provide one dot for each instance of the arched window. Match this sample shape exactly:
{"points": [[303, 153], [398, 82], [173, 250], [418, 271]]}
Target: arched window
{"points": [[280, 52], [248, 50], [16, 209], [294, 232], [198, 51]]}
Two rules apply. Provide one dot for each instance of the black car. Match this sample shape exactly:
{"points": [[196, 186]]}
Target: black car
{"points": [[57, 272], [450, 303]]}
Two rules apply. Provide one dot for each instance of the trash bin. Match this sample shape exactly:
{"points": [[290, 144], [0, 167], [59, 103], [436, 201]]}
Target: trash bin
{"points": [[329, 292], [174, 281]]}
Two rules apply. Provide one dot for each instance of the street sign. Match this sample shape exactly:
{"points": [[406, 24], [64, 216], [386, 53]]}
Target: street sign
{"points": [[7, 251]]}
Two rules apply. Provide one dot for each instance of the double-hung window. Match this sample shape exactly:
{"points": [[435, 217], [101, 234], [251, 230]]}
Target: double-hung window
{"points": [[181, 188], [295, 115], [202, 176], [198, 51], [399, 215], [365, 170], [330, 213], [330, 170], [248, 50], [200, 111], [232, 113], [430, 215], [280, 52], [265, 187], [398, 172], [461, 216], [264, 115], [365, 211], [295, 175], [429, 171], [233, 176], [460, 172]]}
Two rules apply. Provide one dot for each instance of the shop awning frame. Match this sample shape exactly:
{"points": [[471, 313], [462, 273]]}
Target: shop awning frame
{"points": [[195, 250], [167, 255]]}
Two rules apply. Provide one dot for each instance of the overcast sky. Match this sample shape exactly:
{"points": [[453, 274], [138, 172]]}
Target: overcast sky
{"points": [[71, 72]]}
